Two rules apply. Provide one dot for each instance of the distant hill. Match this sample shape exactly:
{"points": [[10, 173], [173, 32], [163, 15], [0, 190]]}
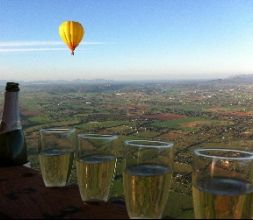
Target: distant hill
{"points": [[241, 79], [62, 82], [238, 79], [246, 78]]}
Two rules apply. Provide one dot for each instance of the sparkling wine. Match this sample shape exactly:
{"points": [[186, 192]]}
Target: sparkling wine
{"points": [[95, 174], [12, 140], [55, 165], [223, 198], [146, 189]]}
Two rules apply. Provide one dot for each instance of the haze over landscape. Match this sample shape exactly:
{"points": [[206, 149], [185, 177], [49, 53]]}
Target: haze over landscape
{"points": [[127, 40]]}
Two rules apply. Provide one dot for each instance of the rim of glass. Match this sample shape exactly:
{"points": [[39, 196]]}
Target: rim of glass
{"points": [[98, 136], [149, 143], [246, 155], [57, 130]]}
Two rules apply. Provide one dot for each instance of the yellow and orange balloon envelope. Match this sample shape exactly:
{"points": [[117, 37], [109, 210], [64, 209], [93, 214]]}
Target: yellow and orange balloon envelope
{"points": [[71, 33]]}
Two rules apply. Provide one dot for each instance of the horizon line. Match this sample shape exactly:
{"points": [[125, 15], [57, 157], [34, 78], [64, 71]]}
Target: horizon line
{"points": [[122, 80]]}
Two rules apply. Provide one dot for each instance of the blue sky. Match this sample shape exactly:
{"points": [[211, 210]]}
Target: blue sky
{"points": [[127, 39]]}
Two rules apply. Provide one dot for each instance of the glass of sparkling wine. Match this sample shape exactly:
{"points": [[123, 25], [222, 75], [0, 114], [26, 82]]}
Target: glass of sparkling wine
{"points": [[222, 184], [95, 165], [56, 153], [147, 177]]}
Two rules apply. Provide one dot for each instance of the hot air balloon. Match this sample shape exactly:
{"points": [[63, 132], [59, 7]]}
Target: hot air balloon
{"points": [[71, 32]]}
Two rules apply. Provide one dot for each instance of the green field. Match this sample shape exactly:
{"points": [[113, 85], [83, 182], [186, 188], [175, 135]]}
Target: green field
{"points": [[125, 109]]}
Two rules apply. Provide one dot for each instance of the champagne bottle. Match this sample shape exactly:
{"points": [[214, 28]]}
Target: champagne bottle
{"points": [[12, 140]]}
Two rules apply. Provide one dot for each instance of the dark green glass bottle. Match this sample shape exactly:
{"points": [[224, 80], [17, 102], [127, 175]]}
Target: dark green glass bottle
{"points": [[13, 150]]}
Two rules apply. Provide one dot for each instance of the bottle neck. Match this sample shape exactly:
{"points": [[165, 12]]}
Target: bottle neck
{"points": [[11, 117]]}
